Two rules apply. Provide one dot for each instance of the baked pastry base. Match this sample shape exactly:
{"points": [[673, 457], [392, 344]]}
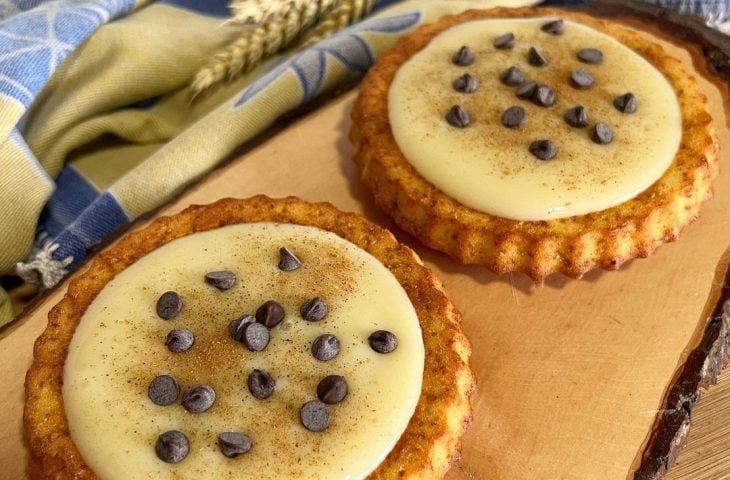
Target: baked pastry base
{"points": [[429, 444], [571, 246]]}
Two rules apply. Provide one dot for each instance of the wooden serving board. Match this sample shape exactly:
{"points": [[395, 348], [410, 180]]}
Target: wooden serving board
{"points": [[571, 377]]}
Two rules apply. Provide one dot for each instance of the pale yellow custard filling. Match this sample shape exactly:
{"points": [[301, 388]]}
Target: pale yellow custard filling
{"points": [[489, 167], [118, 349]]}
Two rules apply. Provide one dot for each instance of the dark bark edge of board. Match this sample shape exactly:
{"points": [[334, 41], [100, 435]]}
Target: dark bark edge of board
{"points": [[706, 359], [698, 372]]}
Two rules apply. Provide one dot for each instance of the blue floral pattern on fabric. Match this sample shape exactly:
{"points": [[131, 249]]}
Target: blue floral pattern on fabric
{"points": [[346, 47], [36, 36]]}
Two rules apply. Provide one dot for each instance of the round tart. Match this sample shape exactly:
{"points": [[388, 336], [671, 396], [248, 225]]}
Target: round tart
{"points": [[245, 339], [534, 140]]}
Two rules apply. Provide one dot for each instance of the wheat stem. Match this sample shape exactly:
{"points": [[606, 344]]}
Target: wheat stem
{"points": [[287, 19], [259, 11], [347, 13]]}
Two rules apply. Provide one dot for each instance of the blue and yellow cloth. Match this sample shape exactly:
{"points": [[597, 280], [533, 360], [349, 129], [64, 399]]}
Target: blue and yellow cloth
{"points": [[97, 125]]}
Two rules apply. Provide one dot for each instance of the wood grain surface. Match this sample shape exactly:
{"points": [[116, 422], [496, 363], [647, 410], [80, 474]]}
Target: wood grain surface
{"points": [[570, 376]]}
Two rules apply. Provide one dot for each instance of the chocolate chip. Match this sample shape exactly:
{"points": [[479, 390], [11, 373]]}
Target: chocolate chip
{"points": [[222, 280], [505, 41], [172, 446], [553, 28], [270, 314], [237, 326], [314, 309], [625, 103], [581, 79], [179, 340], [512, 77], [590, 55], [260, 384], [513, 117], [233, 444], [326, 347], [602, 134], [315, 416], [464, 57], [332, 389], [169, 305], [458, 117], [383, 341], [255, 336], [527, 90], [163, 390], [466, 84], [543, 96], [288, 261], [536, 58], [576, 117], [198, 399], [543, 149]]}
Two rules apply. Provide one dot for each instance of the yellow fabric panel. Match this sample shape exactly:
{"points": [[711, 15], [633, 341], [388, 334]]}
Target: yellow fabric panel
{"points": [[132, 59], [10, 111], [104, 166], [201, 147], [26, 188], [6, 308], [154, 126]]}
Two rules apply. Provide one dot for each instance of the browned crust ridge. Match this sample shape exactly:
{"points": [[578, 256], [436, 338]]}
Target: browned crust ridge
{"points": [[430, 442], [571, 246]]}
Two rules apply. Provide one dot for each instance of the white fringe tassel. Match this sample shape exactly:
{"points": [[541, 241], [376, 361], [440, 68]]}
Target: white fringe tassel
{"points": [[40, 268]]}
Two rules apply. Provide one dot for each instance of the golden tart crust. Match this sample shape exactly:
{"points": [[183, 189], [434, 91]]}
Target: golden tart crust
{"points": [[430, 442], [572, 245]]}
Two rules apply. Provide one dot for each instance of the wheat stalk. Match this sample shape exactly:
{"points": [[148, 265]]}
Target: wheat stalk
{"points": [[257, 11], [347, 13], [287, 19]]}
